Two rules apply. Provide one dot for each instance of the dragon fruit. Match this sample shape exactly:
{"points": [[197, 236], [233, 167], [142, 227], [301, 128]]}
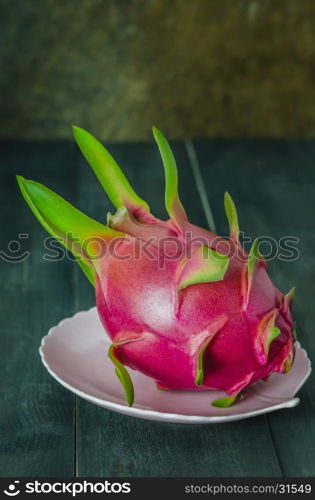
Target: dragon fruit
{"points": [[182, 305]]}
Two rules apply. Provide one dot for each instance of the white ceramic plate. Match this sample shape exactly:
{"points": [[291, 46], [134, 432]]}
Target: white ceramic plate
{"points": [[75, 354]]}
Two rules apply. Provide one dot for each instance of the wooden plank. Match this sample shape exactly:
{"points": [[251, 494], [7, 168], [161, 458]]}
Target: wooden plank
{"points": [[115, 445], [272, 183], [36, 412]]}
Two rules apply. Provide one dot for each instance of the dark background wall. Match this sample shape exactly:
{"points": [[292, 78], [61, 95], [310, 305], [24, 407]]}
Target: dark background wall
{"points": [[197, 68]]}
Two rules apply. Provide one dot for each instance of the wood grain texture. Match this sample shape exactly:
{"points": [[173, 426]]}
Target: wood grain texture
{"points": [[115, 445], [36, 433], [273, 186]]}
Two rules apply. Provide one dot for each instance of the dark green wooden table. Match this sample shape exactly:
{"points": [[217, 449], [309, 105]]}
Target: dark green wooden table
{"points": [[44, 429]]}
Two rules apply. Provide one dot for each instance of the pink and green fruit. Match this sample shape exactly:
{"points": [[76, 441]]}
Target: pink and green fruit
{"points": [[182, 305]]}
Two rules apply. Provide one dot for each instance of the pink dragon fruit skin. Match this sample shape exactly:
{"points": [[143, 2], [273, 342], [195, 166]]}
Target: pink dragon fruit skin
{"points": [[160, 331], [193, 311]]}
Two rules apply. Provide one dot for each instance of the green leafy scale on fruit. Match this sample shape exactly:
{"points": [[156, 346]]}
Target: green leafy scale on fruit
{"points": [[108, 172], [232, 217], [225, 402], [205, 265], [173, 204], [122, 375]]}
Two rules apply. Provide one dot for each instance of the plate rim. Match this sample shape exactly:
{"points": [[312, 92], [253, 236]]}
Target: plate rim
{"points": [[155, 414]]}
